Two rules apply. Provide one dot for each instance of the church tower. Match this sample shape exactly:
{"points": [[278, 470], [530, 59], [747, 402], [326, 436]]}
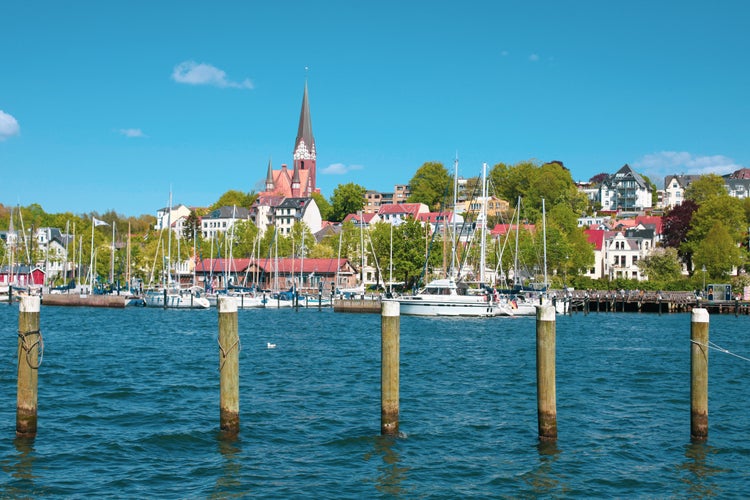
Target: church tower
{"points": [[304, 148]]}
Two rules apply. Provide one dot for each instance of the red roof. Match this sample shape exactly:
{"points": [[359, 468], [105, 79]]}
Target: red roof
{"points": [[434, 217], [503, 229], [597, 236], [366, 218], [651, 219], [287, 265], [412, 209], [221, 265]]}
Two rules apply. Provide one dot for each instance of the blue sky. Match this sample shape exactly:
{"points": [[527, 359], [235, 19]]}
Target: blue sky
{"points": [[108, 105]]}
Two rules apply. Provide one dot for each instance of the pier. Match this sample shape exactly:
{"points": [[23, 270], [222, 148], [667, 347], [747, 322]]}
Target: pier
{"points": [[370, 304], [647, 302]]}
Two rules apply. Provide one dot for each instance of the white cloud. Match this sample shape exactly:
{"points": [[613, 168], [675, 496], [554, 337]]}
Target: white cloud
{"points": [[132, 132], [534, 57], [192, 73], [339, 169], [658, 165], [8, 126]]}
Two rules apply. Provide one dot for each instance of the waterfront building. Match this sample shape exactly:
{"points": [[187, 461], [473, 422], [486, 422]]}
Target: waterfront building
{"points": [[221, 220], [276, 274]]}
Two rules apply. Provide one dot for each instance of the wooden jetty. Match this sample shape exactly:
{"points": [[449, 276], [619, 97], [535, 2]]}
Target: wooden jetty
{"points": [[83, 300], [366, 305], [647, 302]]}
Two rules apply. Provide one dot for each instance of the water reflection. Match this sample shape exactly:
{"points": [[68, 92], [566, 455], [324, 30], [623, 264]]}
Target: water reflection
{"points": [[20, 468], [228, 482], [699, 471], [543, 480], [390, 475]]}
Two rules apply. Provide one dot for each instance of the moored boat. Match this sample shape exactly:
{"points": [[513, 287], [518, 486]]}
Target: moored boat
{"points": [[176, 298], [443, 297]]}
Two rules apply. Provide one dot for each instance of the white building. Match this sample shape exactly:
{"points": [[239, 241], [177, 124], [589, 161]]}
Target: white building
{"points": [[176, 217], [675, 187], [222, 220], [625, 190], [297, 209]]}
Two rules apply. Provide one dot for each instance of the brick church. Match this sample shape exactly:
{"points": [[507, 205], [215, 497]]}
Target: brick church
{"points": [[298, 182]]}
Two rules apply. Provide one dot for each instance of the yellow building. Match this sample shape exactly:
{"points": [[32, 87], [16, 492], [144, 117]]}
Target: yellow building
{"points": [[495, 206]]}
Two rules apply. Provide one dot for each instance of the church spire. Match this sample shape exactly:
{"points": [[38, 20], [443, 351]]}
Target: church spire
{"points": [[269, 177], [304, 147]]}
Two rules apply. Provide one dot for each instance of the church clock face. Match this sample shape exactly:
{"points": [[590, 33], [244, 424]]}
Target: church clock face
{"points": [[302, 153]]}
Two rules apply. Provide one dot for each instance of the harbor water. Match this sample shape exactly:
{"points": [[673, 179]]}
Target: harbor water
{"points": [[128, 406]]}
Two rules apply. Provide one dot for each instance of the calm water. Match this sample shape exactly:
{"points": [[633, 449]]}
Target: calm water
{"points": [[128, 407]]}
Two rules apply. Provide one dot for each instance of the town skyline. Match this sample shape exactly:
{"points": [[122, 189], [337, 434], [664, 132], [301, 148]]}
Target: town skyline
{"points": [[89, 123]]}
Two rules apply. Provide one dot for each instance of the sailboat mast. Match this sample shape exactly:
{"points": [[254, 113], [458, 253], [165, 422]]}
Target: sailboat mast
{"points": [[12, 246], [544, 234], [65, 267], [483, 221], [75, 266], [91, 263], [112, 256], [127, 263], [362, 248], [168, 273], [454, 242], [516, 281]]}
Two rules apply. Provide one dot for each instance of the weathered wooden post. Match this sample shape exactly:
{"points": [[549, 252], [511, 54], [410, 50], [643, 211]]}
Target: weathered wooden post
{"points": [[545, 373], [699, 375], [389, 366], [10, 295], [165, 297], [30, 350], [229, 369]]}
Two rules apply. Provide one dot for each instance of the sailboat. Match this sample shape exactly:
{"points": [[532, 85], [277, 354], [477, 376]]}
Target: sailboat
{"points": [[170, 295], [451, 297]]}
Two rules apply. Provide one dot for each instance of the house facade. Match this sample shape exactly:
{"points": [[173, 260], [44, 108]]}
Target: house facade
{"points": [[674, 189], [221, 220], [174, 217], [625, 190], [291, 210]]}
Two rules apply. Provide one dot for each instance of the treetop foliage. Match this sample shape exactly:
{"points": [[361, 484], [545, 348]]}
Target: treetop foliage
{"points": [[431, 185]]}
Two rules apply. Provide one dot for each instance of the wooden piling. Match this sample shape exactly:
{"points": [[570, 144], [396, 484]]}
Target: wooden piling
{"points": [[699, 375], [389, 366], [545, 373], [30, 347], [229, 370]]}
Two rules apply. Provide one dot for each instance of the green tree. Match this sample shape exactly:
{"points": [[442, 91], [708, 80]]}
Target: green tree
{"points": [[705, 188], [408, 252], [430, 185], [347, 199], [192, 227], [245, 235], [721, 208], [234, 198], [551, 182], [661, 265], [323, 205], [718, 251]]}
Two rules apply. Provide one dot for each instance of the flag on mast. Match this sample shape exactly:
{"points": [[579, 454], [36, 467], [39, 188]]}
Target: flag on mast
{"points": [[98, 222]]}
